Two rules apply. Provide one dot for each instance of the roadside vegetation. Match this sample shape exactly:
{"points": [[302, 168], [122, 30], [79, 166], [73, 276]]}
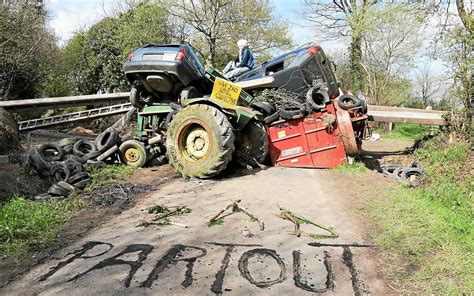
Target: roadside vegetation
{"points": [[26, 224], [406, 131], [30, 225], [425, 234]]}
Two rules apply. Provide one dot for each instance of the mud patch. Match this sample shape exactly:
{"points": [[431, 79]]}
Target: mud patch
{"points": [[17, 182]]}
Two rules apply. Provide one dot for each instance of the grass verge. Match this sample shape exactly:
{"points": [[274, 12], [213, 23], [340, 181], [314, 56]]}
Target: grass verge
{"points": [[406, 131], [356, 167], [425, 234], [25, 224]]}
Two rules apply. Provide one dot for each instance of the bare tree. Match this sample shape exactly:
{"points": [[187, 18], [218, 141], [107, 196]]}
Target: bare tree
{"points": [[343, 18], [427, 86]]}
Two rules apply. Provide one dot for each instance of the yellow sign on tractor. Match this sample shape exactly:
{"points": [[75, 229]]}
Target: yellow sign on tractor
{"points": [[226, 92]]}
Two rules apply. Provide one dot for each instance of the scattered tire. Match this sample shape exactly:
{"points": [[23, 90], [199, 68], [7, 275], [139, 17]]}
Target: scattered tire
{"points": [[58, 191], [38, 163], [288, 112], [252, 144], [43, 197], [200, 141], [133, 153], [74, 158], [316, 98], [66, 186], [264, 107], [60, 172], [106, 139], [51, 152], [81, 184], [108, 153], [414, 176], [347, 102], [83, 147], [68, 149], [74, 166], [67, 141], [78, 177], [271, 118], [91, 155]]}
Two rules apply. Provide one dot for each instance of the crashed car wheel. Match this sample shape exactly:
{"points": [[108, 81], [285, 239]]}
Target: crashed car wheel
{"points": [[288, 112], [135, 98], [252, 144], [200, 141], [134, 153]]}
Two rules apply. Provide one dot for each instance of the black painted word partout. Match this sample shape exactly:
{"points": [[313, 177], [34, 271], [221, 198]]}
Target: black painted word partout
{"points": [[176, 254]]}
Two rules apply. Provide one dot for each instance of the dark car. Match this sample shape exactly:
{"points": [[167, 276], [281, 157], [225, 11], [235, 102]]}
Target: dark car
{"points": [[297, 70], [163, 72]]}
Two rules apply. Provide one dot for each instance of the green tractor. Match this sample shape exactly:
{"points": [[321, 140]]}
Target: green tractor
{"points": [[201, 133]]}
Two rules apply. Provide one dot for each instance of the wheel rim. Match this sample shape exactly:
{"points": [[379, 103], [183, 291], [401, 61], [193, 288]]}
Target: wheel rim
{"points": [[132, 155], [193, 141]]}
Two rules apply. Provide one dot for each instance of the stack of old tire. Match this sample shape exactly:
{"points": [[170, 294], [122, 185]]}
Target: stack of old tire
{"points": [[64, 162]]}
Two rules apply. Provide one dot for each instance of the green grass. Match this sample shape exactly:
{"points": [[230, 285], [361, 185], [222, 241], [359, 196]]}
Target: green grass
{"points": [[26, 224], [108, 175], [405, 131], [425, 234], [356, 168]]}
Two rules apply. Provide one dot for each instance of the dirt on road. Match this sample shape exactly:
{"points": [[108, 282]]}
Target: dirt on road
{"points": [[120, 258]]}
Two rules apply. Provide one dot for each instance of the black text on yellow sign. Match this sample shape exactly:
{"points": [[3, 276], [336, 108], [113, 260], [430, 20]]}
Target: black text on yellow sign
{"points": [[225, 92]]}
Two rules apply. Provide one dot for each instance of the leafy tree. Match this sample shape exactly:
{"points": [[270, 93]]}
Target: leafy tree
{"points": [[26, 48], [95, 57]]}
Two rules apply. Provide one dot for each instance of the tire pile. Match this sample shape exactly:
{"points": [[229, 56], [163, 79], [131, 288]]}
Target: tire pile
{"points": [[287, 105], [64, 162], [412, 176]]}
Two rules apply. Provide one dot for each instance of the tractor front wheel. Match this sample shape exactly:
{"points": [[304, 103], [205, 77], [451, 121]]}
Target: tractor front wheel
{"points": [[199, 141]]}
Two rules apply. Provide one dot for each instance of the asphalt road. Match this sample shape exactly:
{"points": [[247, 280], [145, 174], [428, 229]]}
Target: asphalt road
{"points": [[121, 258]]}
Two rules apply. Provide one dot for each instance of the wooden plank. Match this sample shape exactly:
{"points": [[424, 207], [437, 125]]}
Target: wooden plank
{"points": [[256, 83], [61, 102], [398, 109], [407, 117]]}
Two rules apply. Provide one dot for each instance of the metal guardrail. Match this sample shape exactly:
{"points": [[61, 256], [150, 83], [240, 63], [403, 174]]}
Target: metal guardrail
{"points": [[37, 123], [18, 106]]}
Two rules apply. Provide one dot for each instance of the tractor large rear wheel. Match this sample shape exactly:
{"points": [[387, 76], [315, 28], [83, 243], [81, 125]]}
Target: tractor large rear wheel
{"points": [[252, 145], [199, 141]]}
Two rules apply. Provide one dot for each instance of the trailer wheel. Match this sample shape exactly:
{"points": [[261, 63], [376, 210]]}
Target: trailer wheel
{"points": [[200, 141], [252, 144], [133, 153]]}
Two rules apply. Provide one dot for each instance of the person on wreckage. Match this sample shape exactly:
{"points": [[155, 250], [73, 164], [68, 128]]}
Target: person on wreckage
{"points": [[243, 62]]}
